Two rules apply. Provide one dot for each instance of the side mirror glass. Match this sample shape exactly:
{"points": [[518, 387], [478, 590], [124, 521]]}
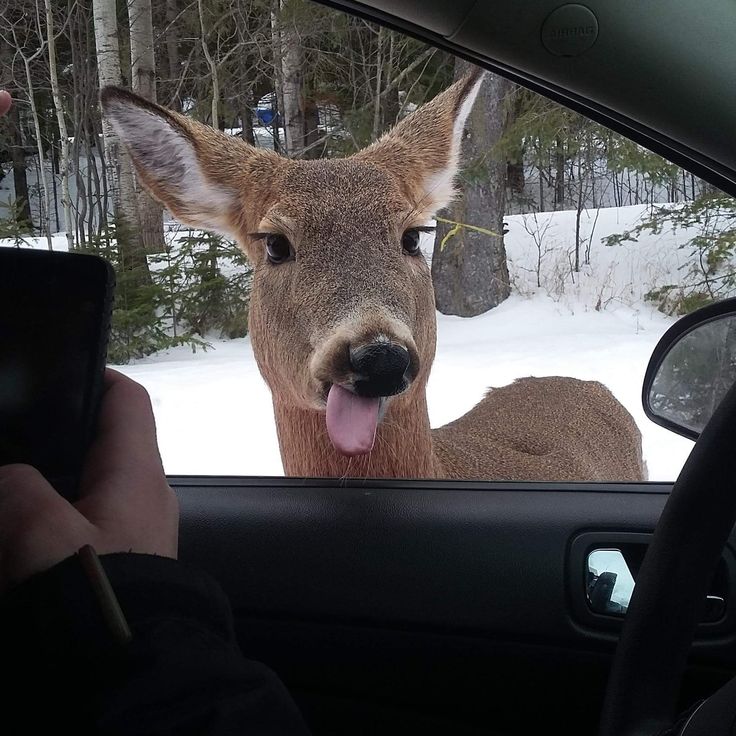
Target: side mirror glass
{"points": [[692, 368]]}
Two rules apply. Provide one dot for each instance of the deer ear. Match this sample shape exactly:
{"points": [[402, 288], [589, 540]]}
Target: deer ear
{"points": [[423, 150], [195, 171]]}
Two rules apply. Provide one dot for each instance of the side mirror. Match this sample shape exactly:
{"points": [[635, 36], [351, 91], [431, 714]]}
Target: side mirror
{"points": [[691, 369]]}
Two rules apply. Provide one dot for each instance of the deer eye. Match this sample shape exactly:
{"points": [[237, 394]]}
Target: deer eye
{"points": [[410, 242], [278, 249]]}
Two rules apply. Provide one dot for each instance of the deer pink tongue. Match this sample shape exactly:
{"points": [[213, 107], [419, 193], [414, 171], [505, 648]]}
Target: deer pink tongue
{"points": [[351, 421]]}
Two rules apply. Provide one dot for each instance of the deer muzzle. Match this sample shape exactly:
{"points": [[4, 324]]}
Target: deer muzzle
{"points": [[377, 370]]}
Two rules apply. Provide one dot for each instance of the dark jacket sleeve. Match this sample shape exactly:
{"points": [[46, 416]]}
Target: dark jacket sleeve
{"points": [[181, 673]]}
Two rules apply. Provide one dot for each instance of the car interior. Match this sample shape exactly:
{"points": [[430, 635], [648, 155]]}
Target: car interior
{"points": [[506, 608], [438, 607]]}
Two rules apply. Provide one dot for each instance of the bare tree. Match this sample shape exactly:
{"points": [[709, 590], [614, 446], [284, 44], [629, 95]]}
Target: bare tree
{"points": [[66, 201], [538, 234], [91, 201], [32, 36], [16, 149], [143, 81]]}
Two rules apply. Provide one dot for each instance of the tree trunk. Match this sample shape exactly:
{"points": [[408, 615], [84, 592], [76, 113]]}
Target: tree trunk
{"points": [[45, 218], [66, 200], [244, 106], [215, 122], [390, 104], [20, 177], [246, 121], [98, 194], [278, 73], [246, 117], [54, 158], [172, 98], [142, 68], [578, 213], [118, 166], [559, 175], [311, 129], [292, 76], [470, 274], [515, 176], [80, 200]]}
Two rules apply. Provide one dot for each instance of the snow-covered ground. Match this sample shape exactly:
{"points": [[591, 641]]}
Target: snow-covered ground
{"points": [[214, 411]]}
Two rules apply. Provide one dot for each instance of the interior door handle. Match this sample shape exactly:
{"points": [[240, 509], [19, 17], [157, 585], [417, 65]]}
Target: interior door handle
{"points": [[603, 568]]}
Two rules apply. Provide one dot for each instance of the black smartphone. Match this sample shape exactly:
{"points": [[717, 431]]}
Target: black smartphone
{"points": [[55, 311]]}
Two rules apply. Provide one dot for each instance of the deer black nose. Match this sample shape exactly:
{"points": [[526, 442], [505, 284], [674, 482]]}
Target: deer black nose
{"points": [[381, 369]]}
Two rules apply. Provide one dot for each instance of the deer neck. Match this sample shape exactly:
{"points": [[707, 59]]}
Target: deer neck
{"points": [[403, 446]]}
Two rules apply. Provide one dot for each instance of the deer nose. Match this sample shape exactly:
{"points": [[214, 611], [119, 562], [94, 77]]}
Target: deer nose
{"points": [[381, 368]]}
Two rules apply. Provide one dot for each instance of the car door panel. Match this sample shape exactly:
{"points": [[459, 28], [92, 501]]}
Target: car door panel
{"points": [[409, 599]]}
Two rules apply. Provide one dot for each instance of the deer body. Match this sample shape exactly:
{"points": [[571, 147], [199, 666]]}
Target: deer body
{"points": [[551, 428], [342, 317]]}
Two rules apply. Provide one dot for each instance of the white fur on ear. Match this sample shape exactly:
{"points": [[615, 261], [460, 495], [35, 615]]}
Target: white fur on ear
{"points": [[440, 185], [166, 159]]}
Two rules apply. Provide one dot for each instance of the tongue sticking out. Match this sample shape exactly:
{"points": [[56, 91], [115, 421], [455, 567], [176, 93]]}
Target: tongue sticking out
{"points": [[351, 421]]}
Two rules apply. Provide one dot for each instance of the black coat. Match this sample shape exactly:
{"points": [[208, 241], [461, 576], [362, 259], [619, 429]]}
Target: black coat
{"points": [[182, 672]]}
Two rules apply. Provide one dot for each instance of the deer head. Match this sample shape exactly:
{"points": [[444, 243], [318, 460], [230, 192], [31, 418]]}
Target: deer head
{"points": [[342, 308]]}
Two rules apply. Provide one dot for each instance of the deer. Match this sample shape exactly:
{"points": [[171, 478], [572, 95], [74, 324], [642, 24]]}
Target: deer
{"points": [[342, 314]]}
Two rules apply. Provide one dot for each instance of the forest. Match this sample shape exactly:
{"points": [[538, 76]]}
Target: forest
{"points": [[311, 83]]}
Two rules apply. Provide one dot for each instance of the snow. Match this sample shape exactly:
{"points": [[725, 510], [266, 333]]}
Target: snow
{"points": [[213, 409]]}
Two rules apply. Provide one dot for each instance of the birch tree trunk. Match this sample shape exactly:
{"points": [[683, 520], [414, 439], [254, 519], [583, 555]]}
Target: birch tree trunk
{"points": [[142, 66], [469, 267], [292, 63], [118, 166], [66, 202]]}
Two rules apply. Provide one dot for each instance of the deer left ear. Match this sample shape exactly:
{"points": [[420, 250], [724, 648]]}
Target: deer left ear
{"points": [[203, 176], [423, 150]]}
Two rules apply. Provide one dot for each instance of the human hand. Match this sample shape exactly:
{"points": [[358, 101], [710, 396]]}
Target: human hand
{"points": [[5, 102], [125, 503]]}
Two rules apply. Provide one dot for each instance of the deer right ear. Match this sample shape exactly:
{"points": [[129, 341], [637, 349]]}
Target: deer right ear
{"points": [[423, 150], [194, 170]]}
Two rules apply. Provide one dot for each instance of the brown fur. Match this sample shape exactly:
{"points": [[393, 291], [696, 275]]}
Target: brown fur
{"points": [[351, 283], [543, 428]]}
